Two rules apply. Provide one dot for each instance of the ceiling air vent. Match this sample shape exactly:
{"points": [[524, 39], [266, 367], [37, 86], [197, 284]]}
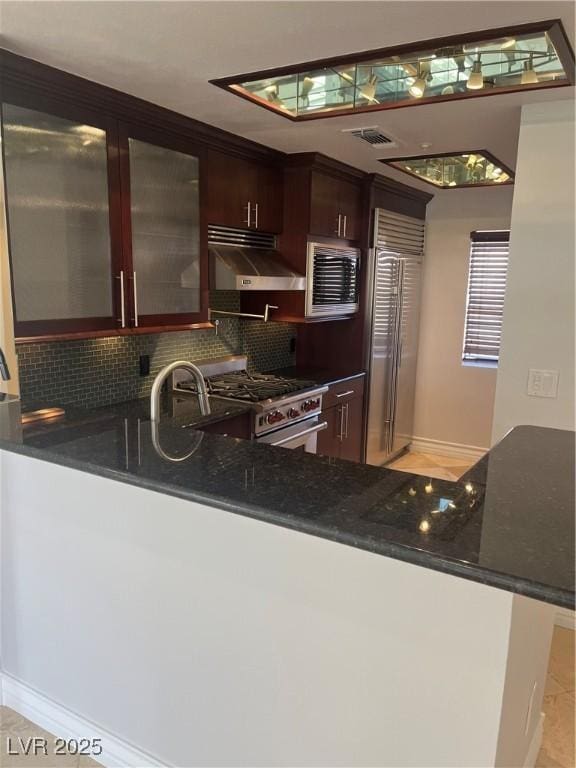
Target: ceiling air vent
{"points": [[372, 135]]}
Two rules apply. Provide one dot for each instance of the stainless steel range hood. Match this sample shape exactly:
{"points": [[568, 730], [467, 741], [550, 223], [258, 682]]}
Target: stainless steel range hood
{"points": [[246, 260]]}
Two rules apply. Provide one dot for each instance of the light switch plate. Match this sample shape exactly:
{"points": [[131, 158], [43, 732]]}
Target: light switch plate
{"points": [[542, 383]]}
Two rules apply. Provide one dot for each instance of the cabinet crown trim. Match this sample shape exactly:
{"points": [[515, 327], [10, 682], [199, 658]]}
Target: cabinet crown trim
{"points": [[385, 184], [318, 162], [20, 72]]}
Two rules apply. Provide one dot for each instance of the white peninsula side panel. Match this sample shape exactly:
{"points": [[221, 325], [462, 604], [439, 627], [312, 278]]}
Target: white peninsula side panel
{"points": [[205, 638]]}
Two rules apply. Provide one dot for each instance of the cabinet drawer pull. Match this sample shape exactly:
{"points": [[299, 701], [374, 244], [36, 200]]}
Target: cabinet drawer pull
{"points": [[344, 394]]}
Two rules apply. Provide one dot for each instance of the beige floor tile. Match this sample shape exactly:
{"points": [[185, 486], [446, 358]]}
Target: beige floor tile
{"points": [[15, 731], [435, 473], [14, 746], [553, 688], [545, 761], [558, 739], [413, 460], [562, 658], [452, 461], [440, 467]]}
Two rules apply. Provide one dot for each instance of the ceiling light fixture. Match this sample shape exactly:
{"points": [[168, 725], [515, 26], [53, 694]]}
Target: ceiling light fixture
{"points": [[476, 78], [529, 77], [418, 86], [305, 88], [455, 169], [369, 90], [465, 66]]}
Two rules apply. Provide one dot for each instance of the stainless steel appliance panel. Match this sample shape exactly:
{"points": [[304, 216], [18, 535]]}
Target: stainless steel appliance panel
{"points": [[398, 251], [382, 362], [403, 423], [332, 280], [303, 435]]}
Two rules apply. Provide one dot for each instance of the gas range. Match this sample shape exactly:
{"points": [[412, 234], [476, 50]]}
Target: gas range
{"points": [[276, 401]]}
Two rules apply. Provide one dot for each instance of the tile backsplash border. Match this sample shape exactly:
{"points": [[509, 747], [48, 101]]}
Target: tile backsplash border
{"points": [[93, 372]]}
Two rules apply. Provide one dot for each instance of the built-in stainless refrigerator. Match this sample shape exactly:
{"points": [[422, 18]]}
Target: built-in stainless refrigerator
{"points": [[398, 248]]}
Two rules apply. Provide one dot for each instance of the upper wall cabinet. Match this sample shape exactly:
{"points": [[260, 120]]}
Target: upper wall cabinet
{"points": [[163, 236], [244, 193], [105, 226], [60, 178], [335, 207]]}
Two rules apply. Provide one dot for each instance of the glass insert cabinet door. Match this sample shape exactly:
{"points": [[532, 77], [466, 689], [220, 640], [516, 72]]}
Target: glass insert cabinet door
{"points": [[61, 251], [164, 231]]}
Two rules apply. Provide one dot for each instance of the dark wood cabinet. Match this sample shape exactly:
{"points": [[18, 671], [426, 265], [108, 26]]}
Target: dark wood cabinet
{"points": [[61, 181], [163, 278], [244, 193], [107, 234], [335, 207], [234, 426], [343, 407]]}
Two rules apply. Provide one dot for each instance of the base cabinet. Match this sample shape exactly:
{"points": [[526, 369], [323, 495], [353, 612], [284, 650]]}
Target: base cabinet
{"points": [[234, 426], [343, 413]]}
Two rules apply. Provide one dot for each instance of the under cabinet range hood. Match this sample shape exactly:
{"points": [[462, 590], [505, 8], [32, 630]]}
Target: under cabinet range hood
{"points": [[246, 260]]}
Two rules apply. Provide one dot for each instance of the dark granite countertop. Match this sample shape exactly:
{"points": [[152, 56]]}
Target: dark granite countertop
{"points": [[508, 523], [318, 375]]}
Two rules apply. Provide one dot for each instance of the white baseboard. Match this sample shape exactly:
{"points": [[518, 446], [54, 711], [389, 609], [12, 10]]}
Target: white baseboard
{"points": [[535, 744], [454, 450], [58, 720], [565, 618]]}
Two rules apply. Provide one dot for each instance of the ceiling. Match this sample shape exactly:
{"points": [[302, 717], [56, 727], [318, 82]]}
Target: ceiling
{"points": [[166, 52]]}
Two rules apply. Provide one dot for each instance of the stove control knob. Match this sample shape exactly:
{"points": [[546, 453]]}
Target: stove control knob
{"points": [[310, 405], [275, 417], [293, 413]]}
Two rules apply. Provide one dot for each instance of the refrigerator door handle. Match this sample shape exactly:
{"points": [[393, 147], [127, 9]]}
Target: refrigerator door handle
{"points": [[397, 353]]}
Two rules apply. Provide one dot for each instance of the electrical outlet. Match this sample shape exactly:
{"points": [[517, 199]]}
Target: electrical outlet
{"points": [[144, 364], [542, 383]]}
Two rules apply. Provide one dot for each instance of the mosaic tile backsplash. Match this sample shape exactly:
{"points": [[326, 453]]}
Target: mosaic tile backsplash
{"points": [[95, 372]]}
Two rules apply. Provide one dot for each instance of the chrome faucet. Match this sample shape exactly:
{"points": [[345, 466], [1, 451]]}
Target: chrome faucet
{"points": [[163, 375]]}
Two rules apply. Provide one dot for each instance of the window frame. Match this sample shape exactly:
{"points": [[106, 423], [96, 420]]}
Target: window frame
{"points": [[469, 358]]}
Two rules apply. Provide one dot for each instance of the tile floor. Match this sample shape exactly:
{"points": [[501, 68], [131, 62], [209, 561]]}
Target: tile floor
{"points": [[558, 749], [431, 465], [557, 744]]}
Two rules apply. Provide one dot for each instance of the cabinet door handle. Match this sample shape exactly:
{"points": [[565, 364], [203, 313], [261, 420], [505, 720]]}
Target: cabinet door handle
{"points": [[347, 406], [122, 301], [341, 433], [135, 288], [338, 229], [256, 216], [345, 220], [248, 218], [344, 394]]}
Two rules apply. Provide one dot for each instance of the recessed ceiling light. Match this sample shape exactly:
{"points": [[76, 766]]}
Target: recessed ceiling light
{"points": [[448, 171], [535, 55]]}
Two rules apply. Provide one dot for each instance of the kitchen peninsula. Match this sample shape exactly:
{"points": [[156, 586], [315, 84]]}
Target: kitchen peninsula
{"points": [[302, 594]]}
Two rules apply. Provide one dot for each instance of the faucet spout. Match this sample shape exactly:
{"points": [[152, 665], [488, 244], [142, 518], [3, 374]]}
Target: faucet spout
{"points": [[163, 375]]}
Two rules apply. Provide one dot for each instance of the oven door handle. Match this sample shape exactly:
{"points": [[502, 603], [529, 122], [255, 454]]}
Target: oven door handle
{"points": [[309, 431]]}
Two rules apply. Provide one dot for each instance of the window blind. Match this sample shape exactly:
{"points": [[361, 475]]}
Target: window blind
{"points": [[486, 289]]}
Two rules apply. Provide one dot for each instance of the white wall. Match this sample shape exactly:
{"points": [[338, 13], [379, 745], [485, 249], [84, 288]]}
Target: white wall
{"points": [[208, 638], [454, 403], [539, 308]]}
